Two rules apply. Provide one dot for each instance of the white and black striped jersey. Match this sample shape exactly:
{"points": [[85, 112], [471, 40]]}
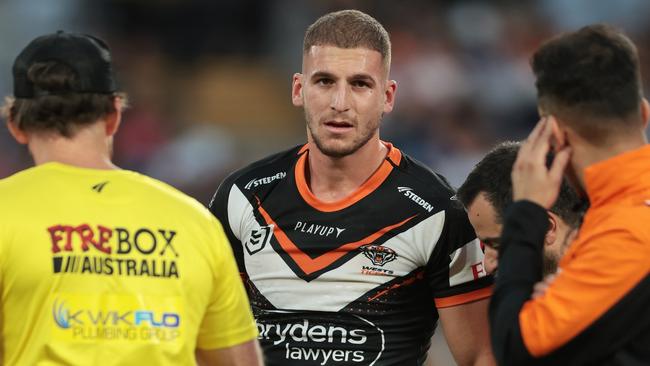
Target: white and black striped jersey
{"points": [[355, 282]]}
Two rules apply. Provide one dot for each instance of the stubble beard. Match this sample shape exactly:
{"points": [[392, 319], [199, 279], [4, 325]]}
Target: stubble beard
{"points": [[552, 258], [549, 263], [341, 150]]}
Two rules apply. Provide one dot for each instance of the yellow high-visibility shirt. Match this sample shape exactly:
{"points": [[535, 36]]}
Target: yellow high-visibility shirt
{"points": [[112, 267]]}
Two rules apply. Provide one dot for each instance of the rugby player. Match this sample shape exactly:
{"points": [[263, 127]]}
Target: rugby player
{"points": [[487, 192], [350, 250]]}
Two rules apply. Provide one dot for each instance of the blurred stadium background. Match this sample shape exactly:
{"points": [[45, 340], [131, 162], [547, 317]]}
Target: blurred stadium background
{"points": [[209, 81]]}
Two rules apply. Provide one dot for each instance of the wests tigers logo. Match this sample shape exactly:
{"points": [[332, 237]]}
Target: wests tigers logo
{"points": [[378, 254]]}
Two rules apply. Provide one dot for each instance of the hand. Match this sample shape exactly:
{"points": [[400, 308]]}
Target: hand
{"points": [[540, 287], [491, 259], [531, 179]]}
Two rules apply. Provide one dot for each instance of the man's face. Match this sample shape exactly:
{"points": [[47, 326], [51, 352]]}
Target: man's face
{"points": [[483, 218], [344, 93], [487, 226], [553, 251]]}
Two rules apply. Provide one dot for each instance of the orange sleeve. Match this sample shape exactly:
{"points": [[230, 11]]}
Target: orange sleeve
{"points": [[595, 274], [482, 293]]}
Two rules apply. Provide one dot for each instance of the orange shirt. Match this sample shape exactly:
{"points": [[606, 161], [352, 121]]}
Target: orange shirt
{"points": [[609, 259]]}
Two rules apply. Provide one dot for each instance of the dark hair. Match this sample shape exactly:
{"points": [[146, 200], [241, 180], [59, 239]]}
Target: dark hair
{"points": [[55, 109], [591, 80], [492, 176], [349, 29]]}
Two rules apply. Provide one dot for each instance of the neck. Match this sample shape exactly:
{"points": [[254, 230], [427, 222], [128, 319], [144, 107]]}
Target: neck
{"points": [[89, 147], [333, 179], [585, 154]]}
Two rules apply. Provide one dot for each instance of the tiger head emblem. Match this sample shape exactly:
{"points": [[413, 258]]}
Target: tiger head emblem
{"points": [[378, 254]]}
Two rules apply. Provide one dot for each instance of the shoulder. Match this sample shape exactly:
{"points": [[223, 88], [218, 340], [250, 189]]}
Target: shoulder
{"points": [[24, 187], [264, 172], [20, 179], [185, 211], [428, 184], [618, 220], [422, 174], [162, 194]]}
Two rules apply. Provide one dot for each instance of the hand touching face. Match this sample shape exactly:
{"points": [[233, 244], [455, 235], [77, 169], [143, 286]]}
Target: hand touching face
{"points": [[532, 180]]}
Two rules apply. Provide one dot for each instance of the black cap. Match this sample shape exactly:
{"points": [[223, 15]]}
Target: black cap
{"points": [[88, 56]]}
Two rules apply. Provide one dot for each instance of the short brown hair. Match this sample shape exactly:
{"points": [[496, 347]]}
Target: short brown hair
{"points": [[349, 29], [491, 176], [591, 80], [56, 110]]}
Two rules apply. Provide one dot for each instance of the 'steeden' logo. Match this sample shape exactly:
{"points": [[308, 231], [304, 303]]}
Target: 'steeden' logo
{"points": [[255, 182], [378, 254], [259, 238], [408, 192]]}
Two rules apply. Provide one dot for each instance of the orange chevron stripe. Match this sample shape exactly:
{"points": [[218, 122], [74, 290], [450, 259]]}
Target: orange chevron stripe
{"points": [[310, 265]]}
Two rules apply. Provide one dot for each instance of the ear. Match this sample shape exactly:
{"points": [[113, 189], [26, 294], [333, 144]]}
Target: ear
{"points": [[551, 234], [559, 135], [296, 90], [114, 119], [19, 135], [391, 89], [645, 112]]}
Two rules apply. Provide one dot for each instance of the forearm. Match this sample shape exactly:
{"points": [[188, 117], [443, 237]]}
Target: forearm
{"points": [[466, 330], [485, 359], [520, 267]]}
